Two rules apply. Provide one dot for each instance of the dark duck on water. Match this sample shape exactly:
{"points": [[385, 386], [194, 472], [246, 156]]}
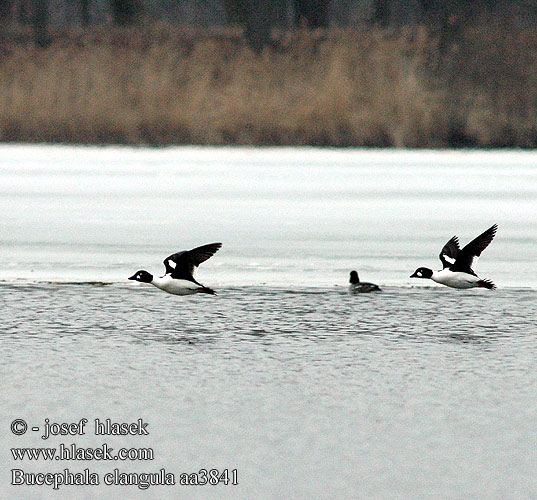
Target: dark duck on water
{"points": [[358, 286]]}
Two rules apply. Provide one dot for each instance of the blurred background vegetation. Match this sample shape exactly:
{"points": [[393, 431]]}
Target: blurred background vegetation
{"points": [[415, 73]]}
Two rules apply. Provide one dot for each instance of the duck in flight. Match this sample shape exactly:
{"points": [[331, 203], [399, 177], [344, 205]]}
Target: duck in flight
{"points": [[361, 286], [180, 267], [457, 264]]}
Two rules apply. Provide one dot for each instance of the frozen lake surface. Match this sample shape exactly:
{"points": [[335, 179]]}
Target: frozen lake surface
{"points": [[287, 217], [307, 390]]}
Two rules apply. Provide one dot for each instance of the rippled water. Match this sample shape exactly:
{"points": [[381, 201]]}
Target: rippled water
{"points": [[307, 390], [412, 393]]}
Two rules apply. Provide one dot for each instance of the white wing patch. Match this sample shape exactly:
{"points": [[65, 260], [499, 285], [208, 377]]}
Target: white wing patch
{"points": [[449, 259]]}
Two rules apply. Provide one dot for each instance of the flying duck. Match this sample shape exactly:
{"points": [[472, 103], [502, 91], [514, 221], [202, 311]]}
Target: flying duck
{"points": [[457, 264], [361, 286], [179, 276]]}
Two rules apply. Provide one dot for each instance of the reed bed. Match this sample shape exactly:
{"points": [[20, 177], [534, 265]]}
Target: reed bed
{"points": [[361, 88]]}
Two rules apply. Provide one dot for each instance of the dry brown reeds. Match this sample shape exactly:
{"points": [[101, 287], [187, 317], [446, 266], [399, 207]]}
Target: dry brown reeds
{"points": [[368, 88]]}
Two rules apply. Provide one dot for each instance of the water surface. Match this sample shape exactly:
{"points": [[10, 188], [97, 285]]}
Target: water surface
{"points": [[307, 390], [287, 217]]}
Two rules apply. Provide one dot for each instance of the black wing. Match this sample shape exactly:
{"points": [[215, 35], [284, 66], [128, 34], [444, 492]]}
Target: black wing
{"points": [[469, 253], [449, 253], [181, 265]]}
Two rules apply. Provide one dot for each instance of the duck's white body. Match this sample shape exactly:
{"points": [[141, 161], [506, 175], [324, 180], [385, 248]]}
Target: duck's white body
{"points": [[455, 279], [176, 286]]}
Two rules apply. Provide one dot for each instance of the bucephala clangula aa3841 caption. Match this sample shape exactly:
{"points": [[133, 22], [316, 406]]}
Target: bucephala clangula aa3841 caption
{"points": [[361, 286], [457, 264], [180, 267]]}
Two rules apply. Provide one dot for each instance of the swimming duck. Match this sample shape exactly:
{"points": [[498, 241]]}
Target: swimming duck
{"points": [[361, 286], [457, 264], [180, 267]]}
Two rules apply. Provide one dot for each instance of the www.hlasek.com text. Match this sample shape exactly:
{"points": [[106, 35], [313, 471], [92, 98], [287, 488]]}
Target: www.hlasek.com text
{"points": [[74, 452]]}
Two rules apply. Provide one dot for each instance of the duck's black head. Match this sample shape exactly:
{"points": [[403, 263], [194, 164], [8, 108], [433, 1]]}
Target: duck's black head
{"points": [[142, 276], [354, 278], [422, 272]]}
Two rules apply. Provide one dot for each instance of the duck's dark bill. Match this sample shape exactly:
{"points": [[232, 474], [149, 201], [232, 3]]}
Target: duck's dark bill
{"points": [[133, 277]]}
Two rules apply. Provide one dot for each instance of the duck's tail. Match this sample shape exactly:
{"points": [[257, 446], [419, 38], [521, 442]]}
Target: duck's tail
{"points": [[486, 284], [205, 289]]}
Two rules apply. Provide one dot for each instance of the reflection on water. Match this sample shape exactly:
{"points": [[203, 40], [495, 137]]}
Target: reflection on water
{"points": [[333, 395]]}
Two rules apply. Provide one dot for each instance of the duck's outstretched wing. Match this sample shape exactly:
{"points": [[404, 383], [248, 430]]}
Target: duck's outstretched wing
{"points": [[448, 254], [472, 251], [181, 265]]}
